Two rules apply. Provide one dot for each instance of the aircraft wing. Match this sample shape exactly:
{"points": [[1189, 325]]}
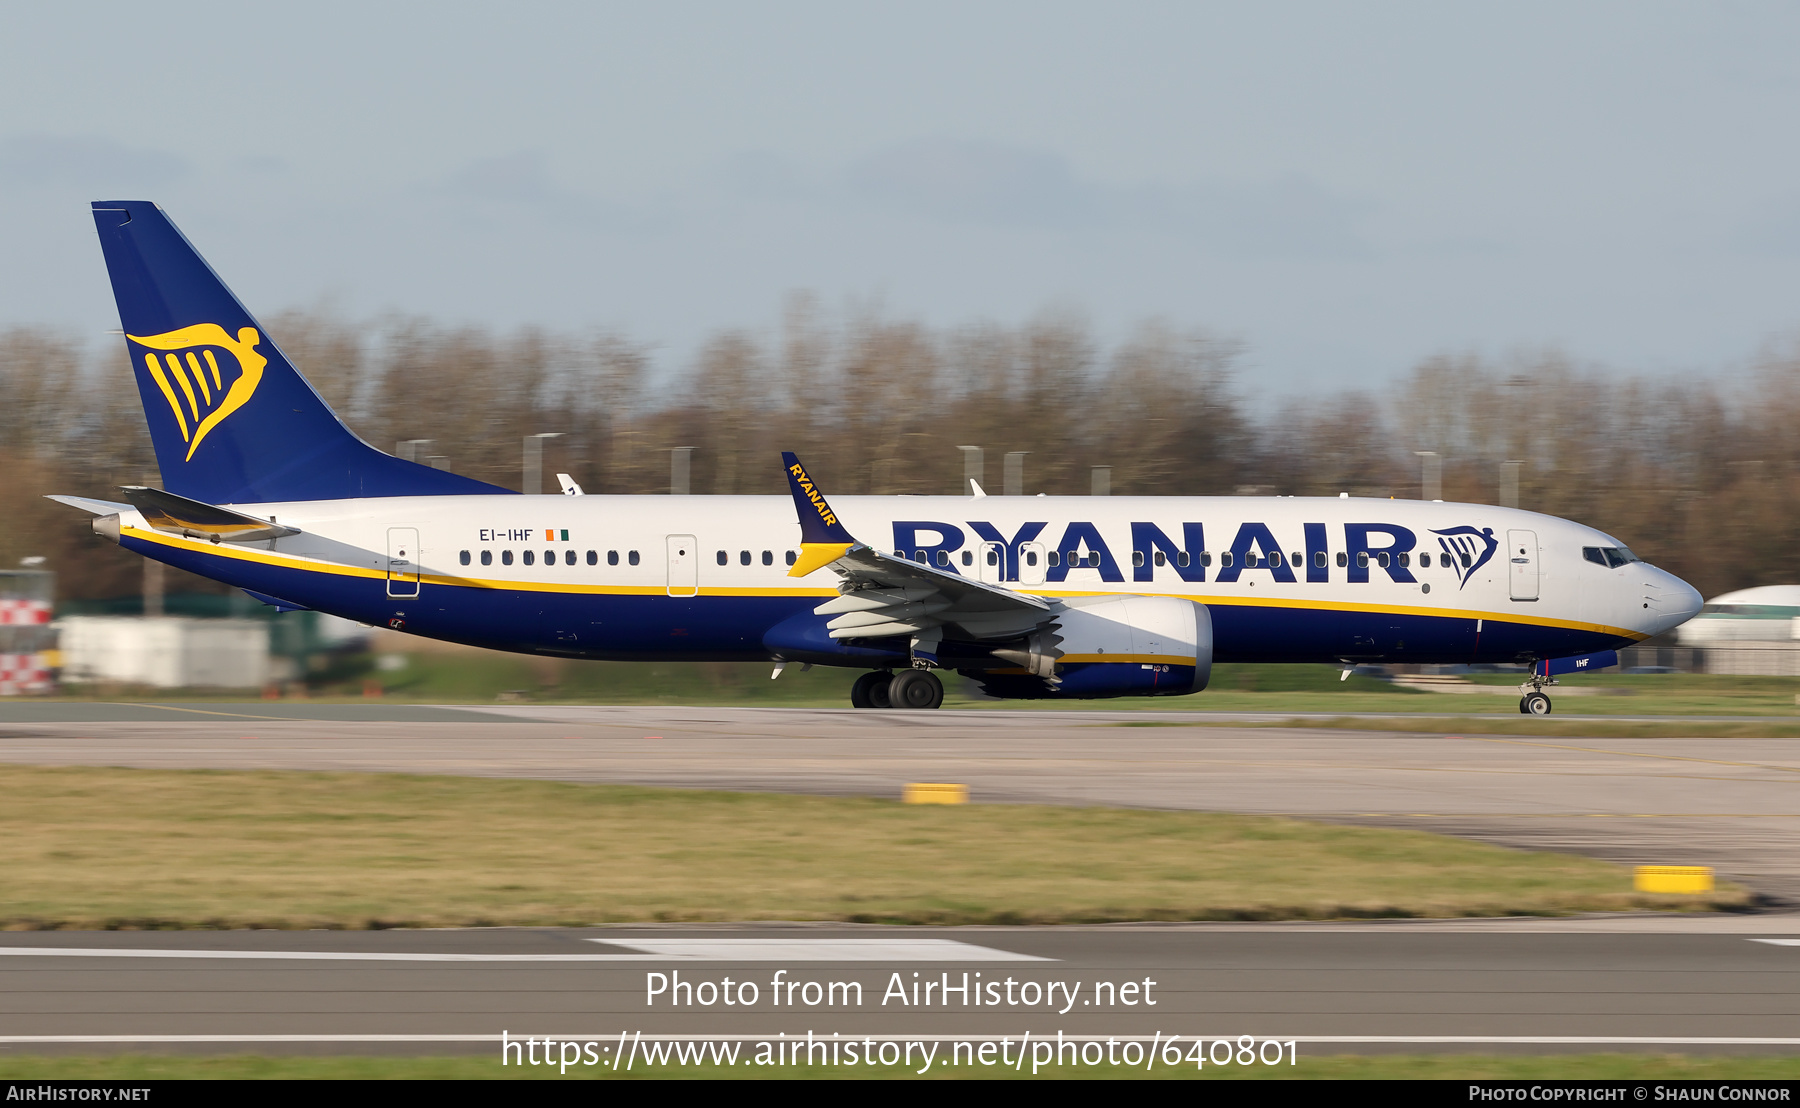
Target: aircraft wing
{"points": [[882, 596]]}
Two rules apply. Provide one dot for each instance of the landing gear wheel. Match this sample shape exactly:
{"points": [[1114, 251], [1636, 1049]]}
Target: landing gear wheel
{"points": [[1534, 704], [871, 691], [916, 688]]}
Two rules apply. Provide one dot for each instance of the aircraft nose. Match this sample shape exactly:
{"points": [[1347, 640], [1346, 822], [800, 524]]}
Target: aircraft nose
{"points": [[1678, 602]]}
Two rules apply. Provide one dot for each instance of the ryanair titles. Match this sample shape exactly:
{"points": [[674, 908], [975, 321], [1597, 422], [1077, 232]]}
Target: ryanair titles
{"points": [[1031, 552]]}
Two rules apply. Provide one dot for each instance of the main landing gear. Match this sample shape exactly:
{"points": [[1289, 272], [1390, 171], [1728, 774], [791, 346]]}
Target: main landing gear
{"points": [[912, 688]]}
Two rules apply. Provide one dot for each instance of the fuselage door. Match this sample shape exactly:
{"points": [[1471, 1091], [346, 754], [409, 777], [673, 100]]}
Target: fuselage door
{"points": [[684, 566], [990, 562], [403, 561], [1522, 554], [1033, 562]]}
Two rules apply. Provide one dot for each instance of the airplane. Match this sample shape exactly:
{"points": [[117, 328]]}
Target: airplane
{"points": [[1043, 597]]}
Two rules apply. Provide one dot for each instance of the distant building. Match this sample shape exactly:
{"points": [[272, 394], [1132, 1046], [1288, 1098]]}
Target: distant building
{"points": [[1750, 631], [167, 653]]}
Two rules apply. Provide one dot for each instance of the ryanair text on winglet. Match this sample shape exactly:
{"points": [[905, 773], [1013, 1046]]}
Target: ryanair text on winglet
{"points": [[812, 494]]}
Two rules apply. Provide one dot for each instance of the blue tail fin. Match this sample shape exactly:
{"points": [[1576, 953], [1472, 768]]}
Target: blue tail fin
{"points": [[233, 422]]}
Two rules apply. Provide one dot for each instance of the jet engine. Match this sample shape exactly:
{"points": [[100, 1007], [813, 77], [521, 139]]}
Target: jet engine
{"points": [[1106, 646]]}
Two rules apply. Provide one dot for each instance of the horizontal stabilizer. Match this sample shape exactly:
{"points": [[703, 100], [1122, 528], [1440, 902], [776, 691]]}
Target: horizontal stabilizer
{"points": [[178, 515], [89, 504]]}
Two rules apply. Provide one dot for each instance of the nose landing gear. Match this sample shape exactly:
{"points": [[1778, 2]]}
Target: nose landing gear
{"points": [[913, 688], [1534, 702]]}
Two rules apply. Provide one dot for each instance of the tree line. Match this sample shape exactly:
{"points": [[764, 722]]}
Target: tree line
{"points": [[1698, 475]]}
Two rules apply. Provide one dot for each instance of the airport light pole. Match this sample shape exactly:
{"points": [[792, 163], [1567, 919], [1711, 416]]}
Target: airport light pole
{"points": [[1431, 475], [1101, 482], [534, 461], [681, 470], [1013, 475], [974, 469]]}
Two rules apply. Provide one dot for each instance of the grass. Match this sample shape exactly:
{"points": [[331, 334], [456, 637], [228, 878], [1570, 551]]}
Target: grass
{"points": [[1441, 1067], [124, 848]]}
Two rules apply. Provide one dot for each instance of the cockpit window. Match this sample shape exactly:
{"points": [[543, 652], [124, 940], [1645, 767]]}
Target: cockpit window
{"points": [[1612, 557]]}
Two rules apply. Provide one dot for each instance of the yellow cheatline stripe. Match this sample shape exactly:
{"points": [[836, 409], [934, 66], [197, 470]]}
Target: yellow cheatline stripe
{"points": [[816, 554], [268, 558]]}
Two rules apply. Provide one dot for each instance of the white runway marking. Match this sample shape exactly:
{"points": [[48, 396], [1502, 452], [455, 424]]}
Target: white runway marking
{"points": [[822, 950], [647, 950]]}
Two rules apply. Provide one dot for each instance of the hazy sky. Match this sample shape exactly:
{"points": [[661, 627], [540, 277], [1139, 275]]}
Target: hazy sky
{"points": [[1345, 188]]}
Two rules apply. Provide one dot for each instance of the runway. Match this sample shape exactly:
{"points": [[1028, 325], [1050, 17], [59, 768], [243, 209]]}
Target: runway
{"points": [[1730, 803], [1469, 986]]}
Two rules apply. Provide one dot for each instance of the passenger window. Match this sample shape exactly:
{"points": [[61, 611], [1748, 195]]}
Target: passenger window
{"points": [[1225, 559], [743, 557], [632, 557], [768, 557], [968, 558], [1250, 560], [993, 557], [1093, 561], [530, 557], [724, 558], [1342, 559], [1206, 557], [1465, 560], [1295, 560], [568, 557], [1137, 557], [1405, 559], [549, 557], [463, 557], [1031, 557], [920, 557], [792, 557], [1318, 559], [1425, 560], [1074, 558], [487, 557], [1181, 559], [506, 557], [612, 557], [1384, 559], [593, 557], [943, 557], [1362, 559], [1160, 559], [1052, 558]]}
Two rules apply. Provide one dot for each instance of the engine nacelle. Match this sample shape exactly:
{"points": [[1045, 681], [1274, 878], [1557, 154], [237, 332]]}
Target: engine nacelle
{"points": [[1111, 646]]}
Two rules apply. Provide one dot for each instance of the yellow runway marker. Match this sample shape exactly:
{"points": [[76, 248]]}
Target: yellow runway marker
{"points": [[929, 793]]}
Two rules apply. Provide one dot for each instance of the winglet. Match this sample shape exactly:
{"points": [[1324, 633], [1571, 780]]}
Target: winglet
{"points": [[823, 539]]}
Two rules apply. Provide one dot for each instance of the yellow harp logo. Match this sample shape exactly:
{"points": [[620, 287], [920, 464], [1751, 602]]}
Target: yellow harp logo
{"points": [[199, 391]]}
